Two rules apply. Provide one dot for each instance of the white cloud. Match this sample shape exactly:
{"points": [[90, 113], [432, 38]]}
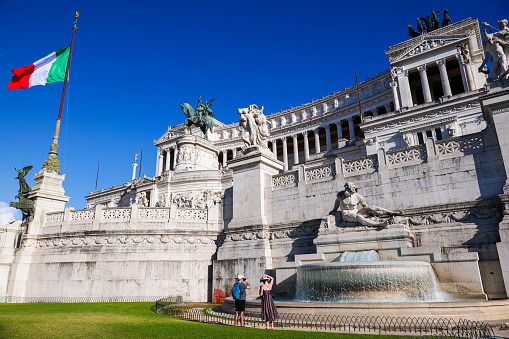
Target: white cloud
{"points": [[8, 214]]}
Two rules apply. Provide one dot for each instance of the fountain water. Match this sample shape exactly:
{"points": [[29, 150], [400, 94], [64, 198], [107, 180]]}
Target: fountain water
{"points": [[362, 277]]}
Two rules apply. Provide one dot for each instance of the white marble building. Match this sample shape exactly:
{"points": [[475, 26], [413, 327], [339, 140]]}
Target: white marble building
{"points": [[428, 143]]}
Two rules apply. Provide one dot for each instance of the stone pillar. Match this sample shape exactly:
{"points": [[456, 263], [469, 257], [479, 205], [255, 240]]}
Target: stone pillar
{"points": [[225, 158], [443, 77], [496, 110], [328, 138], [295, 150], [306, 146], [463, 73], [404, 89], [394, 86], [387, 108], [175, 156], [340, 130], [350, 128], [424, 83], [285, 154], [134, 171], [375, 112], [168, 160], [159, 163], [252, 176], [317, 141], [274, 148]]}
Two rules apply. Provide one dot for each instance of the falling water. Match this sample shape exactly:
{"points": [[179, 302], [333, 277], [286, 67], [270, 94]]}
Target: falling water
{"points": [[362, 277]]}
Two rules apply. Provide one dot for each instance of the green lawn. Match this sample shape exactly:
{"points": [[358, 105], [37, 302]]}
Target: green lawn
{"points": [[124, 320]]}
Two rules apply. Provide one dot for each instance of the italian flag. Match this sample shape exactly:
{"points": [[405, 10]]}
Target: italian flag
{"points": [[49, 69]]}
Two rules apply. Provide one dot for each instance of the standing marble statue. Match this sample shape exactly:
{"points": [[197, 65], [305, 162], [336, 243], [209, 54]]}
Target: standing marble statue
{"points": [[349, 200], [496, 49], [253, 125]]}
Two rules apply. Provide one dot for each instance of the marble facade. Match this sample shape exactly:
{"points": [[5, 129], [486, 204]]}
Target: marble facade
{"points": [[430, 143]]}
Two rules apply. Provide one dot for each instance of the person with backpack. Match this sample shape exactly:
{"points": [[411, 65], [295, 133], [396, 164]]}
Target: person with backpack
{"points": [[239, 295]]}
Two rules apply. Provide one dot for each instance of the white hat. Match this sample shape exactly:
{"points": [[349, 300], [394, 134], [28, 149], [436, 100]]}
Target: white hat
{"points": [[240, 276]]}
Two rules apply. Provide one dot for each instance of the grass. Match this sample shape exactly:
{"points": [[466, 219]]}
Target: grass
{"points": [[126, 320]]}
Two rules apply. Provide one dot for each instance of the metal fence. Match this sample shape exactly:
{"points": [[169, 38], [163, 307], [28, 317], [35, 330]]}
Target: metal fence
{"points": [[86, 299], [439, 328]]}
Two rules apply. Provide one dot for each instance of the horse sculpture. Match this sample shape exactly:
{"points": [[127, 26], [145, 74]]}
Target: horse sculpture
{"points": [[199, 118]]}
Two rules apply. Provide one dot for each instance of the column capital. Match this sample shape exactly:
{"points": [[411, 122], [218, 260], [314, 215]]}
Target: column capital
{"points": [[315, 130], [304, 133], [393, 84], [350, 119], [441, 62], [421, 68], [295, 136]]}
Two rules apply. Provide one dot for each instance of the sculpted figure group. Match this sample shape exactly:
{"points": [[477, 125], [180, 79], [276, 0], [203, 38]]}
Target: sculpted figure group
{"points": [[253, 125], [348, 202], [496, 50]]}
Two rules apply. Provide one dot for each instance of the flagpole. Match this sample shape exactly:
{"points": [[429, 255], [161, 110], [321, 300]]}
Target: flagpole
{"points": [[141, 159], [52, 161], [97, 177], [358, 96]]}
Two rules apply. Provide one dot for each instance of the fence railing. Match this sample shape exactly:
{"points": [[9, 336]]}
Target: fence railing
{"points": [[441, 328], [86, 299]]}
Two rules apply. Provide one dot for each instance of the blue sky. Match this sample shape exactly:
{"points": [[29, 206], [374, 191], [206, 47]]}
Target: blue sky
{"points": [[134, 62]]}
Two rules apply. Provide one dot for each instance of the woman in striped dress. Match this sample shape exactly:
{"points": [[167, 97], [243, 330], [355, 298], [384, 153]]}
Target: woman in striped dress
{"points": [[269, 311]]}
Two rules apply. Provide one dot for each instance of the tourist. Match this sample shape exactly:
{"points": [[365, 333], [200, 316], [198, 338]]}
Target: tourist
{"points": [[239, 295], [269, 311]]}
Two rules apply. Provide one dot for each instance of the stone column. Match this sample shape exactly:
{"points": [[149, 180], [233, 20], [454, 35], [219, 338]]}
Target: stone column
{"points": [[424, 83], [443, 76], [340, 130], [375, 112], [285, 155], [350, 128], [295, 150], [328, 138], [404, 89], [168, 162], [394, 86], [462, 71], [317, 141], [274, 148], [225, 158], [306, 146], [387, 108], [175, 156], [159, 163]]}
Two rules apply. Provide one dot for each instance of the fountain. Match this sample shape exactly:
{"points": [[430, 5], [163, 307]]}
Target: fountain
{"points": [[362, 277]]}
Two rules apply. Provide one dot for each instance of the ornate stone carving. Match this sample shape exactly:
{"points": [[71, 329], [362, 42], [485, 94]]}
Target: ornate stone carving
{"points": [[460, 145], [285, 180], [348, 201], [154, 213], [193, 214], [117, 213], [54, 218], [253, 125], [409, 155], [327, 171], [82, 215], [360, 165], [204, 199]]}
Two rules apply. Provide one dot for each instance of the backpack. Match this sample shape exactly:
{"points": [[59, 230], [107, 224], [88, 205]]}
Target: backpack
{"points": [[236, 291]]}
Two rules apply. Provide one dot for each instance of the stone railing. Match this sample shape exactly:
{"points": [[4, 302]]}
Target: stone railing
{"points": [[460, 144], [54, 218], [413, 155], [362, 165], [408, 155], [192, 214], [322, 172], [287, 179], [101, 214]]}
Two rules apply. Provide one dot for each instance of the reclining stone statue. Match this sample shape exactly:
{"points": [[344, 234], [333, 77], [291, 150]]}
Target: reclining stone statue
{"points": [[349, 200]]}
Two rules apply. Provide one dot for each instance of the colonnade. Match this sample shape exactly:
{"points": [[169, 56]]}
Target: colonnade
{"points": [[404, 83]]}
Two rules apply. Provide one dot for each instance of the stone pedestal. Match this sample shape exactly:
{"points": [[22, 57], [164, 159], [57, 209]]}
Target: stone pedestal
{"points": [[252, 173], [196, 154], [246, 249], [333, 239], [48, 196]]}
